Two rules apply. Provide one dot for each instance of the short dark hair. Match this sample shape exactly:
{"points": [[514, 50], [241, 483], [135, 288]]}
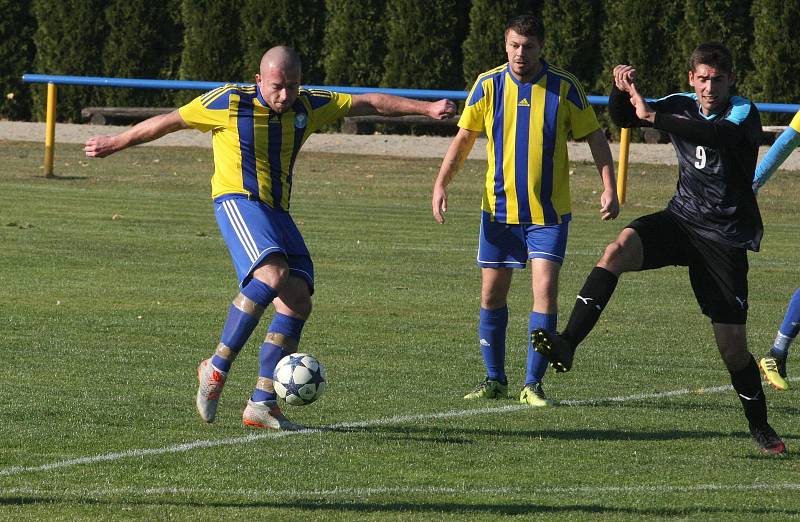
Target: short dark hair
{"points": [[713, 54], [526, 25]]}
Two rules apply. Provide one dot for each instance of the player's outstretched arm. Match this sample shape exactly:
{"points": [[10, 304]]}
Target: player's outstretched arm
{"points": [[601, 152], [374, 104], [453, 160], [148, 130], [776, 155]]}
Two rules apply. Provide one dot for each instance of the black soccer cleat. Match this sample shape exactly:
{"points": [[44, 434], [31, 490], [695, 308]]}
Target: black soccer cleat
{"points": [[555, 348], [768, 442]]}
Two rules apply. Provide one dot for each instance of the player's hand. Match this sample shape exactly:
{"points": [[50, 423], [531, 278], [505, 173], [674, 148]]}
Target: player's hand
{"points": [[643, 111], [439, 203], [609, 205], [442, 109], [99, 146], [624, 76]]}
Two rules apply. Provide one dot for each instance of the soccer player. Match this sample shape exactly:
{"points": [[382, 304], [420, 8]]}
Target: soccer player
{"points": [[708, 225], [527, 107], [774, 363], [257, 131]]}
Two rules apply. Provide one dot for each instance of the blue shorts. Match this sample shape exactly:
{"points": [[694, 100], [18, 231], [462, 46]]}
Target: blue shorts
{"points": [[252, 230], [510, 246]]}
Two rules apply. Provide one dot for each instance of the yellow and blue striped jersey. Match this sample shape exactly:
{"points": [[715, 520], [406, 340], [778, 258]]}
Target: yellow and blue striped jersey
{"points": [[527, 125], [255, 147]]}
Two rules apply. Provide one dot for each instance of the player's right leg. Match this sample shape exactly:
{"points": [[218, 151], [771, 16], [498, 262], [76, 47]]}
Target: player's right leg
{"points": [[623, 255], [648, 242], [262, 269], [492, 326], [501, 248], [243, 316], [773, 365]]}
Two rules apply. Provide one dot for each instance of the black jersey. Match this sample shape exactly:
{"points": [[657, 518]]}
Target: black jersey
{"points": [[717, 157]]}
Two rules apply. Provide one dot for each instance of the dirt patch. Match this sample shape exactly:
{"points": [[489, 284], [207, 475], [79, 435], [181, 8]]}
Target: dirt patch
{"points": [[378, 144]]}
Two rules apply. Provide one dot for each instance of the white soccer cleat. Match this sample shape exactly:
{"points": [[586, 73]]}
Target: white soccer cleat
{"points": [[267, 415], [209, 389]]}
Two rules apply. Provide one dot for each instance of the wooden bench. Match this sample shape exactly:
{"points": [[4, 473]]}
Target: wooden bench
{"points": [[366, 124], [121, 115]]}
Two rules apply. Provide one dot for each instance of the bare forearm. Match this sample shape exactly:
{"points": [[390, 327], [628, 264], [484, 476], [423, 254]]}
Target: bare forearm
{"points": [[150, 129], [601, 153], [377, 104], [456, 154]]}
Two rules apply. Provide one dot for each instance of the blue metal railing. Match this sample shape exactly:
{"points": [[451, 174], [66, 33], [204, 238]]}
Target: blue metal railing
{"points": [[100, 81], [53, 79]]}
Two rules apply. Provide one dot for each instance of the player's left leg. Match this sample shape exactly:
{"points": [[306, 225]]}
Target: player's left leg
{"points": [[547, 247], [718, 274], [774, 364], [292, 309], [732, 343]]}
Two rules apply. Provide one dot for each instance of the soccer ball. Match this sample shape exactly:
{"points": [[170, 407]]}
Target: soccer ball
{"points": [[299, 379]]}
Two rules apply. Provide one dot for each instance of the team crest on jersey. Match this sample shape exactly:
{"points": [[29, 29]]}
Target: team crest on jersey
{"points": [[300, 121]]}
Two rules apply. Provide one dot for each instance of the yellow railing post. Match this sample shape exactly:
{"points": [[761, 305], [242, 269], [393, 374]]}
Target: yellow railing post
{"points": [[622, 171], [50, 130]]}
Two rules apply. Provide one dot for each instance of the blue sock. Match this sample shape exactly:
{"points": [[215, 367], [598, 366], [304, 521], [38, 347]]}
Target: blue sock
{"points": [[492, 334], [242, 320], [789, 328], [537, 363], [283, 336]]}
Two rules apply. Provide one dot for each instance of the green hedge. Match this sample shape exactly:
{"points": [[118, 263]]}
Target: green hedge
{"points": [[69, 40], [144, 41], [295, 23], [424, 43], [775, 52], [16, 57], [355, 42], [484, 46], [437, 44]]}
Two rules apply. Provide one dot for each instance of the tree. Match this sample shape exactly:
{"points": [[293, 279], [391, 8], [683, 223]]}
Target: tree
{"points": [[69, 40], [16, 58], [484, 46], [572, 37], [646, 36], [284, 22], [776, 68], [144, 41], [355, 42], [211, 48], [724, 21], [424, 44]]}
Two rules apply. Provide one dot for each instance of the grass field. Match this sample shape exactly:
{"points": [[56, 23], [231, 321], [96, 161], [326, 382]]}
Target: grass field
{"points": [[115, 283]]}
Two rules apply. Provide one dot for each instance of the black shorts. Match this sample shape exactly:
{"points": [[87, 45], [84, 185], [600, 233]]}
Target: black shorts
{"points": [[718, 272]]}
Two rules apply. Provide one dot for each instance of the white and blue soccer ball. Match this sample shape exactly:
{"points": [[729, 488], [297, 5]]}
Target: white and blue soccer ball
{"points": [[299, 379]]}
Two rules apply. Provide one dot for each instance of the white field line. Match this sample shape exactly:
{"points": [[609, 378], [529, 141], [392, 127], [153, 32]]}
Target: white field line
{"points": [[398, 419], [406, 490]]}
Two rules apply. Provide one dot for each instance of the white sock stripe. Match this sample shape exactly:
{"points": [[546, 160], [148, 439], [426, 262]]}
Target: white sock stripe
{"points": [[232, 219], [204, 444]]}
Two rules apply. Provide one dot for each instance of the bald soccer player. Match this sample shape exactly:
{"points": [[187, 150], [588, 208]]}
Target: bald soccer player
{"points": [[257, 131]]}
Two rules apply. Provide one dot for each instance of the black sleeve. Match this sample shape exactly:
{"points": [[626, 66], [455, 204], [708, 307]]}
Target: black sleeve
{"points": [[620, 109], [709, 133]]}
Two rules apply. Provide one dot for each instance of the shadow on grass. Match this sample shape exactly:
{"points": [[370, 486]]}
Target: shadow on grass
{"points": [[442, 435], [398, 507], [61, 178]]}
